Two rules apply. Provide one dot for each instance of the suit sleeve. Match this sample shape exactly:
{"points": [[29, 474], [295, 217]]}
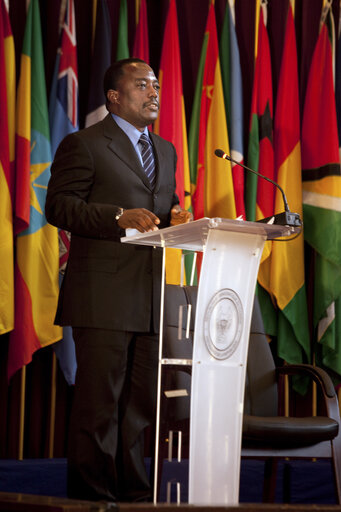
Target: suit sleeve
{"points": [[67, 206]]}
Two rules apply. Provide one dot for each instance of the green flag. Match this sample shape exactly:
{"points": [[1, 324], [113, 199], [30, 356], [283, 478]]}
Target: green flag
{"points": [[122, 39]]}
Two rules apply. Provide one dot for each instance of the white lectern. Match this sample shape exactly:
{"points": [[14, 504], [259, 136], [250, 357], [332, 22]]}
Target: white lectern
{"points": [[232, 251]]}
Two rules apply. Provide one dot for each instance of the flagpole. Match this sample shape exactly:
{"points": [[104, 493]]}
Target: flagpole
{"points": [[53, 404], [137, 11], [61, 15], [22, 413], [314, 393], [256, 29], [94, 20]]}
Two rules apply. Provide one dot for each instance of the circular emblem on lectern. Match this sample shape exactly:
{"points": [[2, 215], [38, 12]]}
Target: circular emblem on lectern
{"points": [[223, 323]]}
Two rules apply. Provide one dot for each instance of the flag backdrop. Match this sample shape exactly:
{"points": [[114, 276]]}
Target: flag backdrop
{"points": [[7, 137], [100, 61], [211, 179], [322, 196], [141, 41], [287, 282], [171, 123], [213, 194], [36, 266], [63, 115], [233, 97]]}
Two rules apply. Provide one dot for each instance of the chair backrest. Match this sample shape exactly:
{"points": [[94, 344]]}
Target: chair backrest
{"points": [[178, 346], [260, 385]]}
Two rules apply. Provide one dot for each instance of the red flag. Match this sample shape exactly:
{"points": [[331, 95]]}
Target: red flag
{"points": [[141, 42], [260, 150], [171, 123]]}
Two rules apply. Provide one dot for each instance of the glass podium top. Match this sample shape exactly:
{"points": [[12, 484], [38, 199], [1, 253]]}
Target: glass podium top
{"points": [[193, 235]]}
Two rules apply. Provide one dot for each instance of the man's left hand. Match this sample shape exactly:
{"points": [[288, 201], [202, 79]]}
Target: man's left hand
{"points": [[180, 216]]}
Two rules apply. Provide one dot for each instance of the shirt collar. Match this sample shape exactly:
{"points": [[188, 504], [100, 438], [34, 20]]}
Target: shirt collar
{"points": [[133, 133]]}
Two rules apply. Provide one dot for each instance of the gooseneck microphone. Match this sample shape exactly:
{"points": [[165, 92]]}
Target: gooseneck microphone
{"points": [[287, 218]]}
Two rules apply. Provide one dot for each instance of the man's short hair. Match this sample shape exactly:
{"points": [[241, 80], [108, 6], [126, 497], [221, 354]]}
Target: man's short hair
{"points": [[115, 72]]}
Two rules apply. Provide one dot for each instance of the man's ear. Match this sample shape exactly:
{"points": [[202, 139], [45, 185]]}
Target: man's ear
{"points": [[112, 96]]}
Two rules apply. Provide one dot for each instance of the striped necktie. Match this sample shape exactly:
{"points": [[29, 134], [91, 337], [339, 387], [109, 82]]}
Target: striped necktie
{"points": [[148, 158]]}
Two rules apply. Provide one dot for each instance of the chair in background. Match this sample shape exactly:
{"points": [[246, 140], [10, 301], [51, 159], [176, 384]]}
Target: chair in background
{"points": [[179, 315], [267, 433], [180, 308]]}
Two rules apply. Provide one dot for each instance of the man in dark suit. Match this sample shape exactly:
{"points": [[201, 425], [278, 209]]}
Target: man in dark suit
{"points": [[111, 291]]}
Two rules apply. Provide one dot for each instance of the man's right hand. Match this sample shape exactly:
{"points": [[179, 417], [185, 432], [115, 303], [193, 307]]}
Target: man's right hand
{"points": [[139, 218]]}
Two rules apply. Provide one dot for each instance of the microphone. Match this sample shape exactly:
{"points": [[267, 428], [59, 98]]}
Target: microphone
{"points": [[287, 218]]}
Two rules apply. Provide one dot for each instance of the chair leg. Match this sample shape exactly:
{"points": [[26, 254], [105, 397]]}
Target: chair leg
{"points": [[270, 480], [336, 451], [287, 483]]}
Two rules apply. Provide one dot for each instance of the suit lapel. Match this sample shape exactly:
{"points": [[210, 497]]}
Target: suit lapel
{"points": [[120, 144]]}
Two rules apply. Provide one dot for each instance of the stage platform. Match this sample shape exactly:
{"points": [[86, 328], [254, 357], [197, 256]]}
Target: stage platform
{"points": [[12, 502], [41, 485]]}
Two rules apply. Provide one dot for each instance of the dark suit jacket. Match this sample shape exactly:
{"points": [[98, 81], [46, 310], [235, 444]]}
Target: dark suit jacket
{"points": [[108, 284]]}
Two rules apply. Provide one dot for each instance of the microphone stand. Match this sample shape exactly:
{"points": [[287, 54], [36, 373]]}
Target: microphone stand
{"points": [[286, 218]]}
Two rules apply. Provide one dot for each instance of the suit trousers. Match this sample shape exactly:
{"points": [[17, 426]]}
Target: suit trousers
{"points": [[114, 400]]}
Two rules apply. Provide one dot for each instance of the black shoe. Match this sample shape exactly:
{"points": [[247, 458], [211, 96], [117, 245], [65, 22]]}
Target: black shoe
{"points": [[106, 505]]}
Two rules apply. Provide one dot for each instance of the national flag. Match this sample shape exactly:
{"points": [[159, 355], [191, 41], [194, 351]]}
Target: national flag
{"points": [[171, 123], [260, 194], [233, 96], [7, 149], [193, 136], [63, 107], [100, 61], [322, 194], [213, 194], [63, 114], [141, 41], [338, 83], [36, 266], [122, 51], [338, 113], [287, 281]]}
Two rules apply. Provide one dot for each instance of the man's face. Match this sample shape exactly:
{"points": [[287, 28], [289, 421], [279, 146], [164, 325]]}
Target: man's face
{"points": [[137, 96]]}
